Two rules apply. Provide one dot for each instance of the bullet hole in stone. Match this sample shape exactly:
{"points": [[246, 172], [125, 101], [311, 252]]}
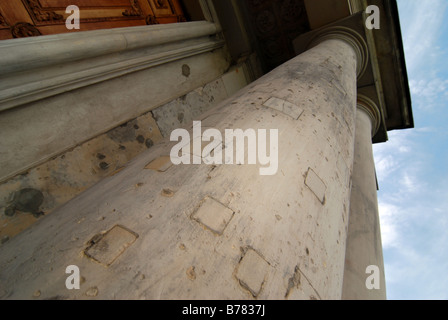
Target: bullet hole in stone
{"points": [[167, 193], [307, 251], [180, 117], [104, 165], [186, 70], [191, 273], [136, 127], [100, 156], [92, 292], [141, 139], [122, 147], [149, 143]]}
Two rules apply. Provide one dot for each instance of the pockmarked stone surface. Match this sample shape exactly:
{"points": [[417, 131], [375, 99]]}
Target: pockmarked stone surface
{"points": [[213, 214], [106, 248], [252, 272], [284, 106], [316, 185]]}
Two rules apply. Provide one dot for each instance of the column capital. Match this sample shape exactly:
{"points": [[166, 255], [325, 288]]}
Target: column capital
{"points": [[350, 36], [369, 106]]}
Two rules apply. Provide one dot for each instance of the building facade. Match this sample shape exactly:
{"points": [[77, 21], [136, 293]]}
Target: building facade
{"points": [[87, 179]]}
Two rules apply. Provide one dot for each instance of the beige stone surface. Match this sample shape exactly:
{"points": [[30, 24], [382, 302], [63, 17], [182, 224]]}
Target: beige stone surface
{"points": [[65, 176], [364, 246], [213, 215], [316, 185], [279, 227], [252, 271], [57, 124]]}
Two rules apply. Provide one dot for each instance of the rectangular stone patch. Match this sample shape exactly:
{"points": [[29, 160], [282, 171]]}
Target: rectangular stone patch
{"points": [[285, 107], [316, 185], [213, 215], [106, 248], [252, 272]]}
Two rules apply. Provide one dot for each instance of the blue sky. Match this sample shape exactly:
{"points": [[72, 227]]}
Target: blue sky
{"points": [[412, 166]]}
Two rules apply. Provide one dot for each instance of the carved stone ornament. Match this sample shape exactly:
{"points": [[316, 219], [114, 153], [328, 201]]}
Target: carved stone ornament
{"points": [[40, 14], [24, 29], [3, 22], [135, 10], [291, 11], [161, 4], [181, 19], [151, 20], [265, 22]]}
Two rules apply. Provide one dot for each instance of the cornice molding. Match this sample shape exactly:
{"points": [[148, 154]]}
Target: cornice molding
{"points": [[41, 67]]}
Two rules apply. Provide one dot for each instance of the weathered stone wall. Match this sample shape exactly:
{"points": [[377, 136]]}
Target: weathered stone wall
{"points": [[69, 173]]}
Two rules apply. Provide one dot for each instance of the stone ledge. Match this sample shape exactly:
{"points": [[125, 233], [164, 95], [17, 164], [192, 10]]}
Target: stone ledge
{"points": [[36, 68]]}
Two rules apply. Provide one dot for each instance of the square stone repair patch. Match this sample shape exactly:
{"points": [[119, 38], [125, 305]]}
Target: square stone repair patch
{"points": [[106, 248], [213, 215], [285, 107], [252, 272], [316, 185]]}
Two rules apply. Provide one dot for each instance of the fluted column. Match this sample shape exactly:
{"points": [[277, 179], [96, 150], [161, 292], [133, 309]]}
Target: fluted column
{"points": [[364, 248]]}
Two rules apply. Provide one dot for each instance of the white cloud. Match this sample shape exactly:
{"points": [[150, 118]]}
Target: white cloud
{"points": [[422, 22], [389, 156], [389, 220], [410, 183], [423, 26], [413, 195], [427, 93]]}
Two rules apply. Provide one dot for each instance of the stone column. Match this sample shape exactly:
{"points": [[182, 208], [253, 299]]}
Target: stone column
{"points": [[221, 231], [364, 246]]}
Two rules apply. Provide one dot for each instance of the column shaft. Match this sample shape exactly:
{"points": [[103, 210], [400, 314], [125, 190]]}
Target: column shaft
{"points": [[219, 231], [364, 246]]}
